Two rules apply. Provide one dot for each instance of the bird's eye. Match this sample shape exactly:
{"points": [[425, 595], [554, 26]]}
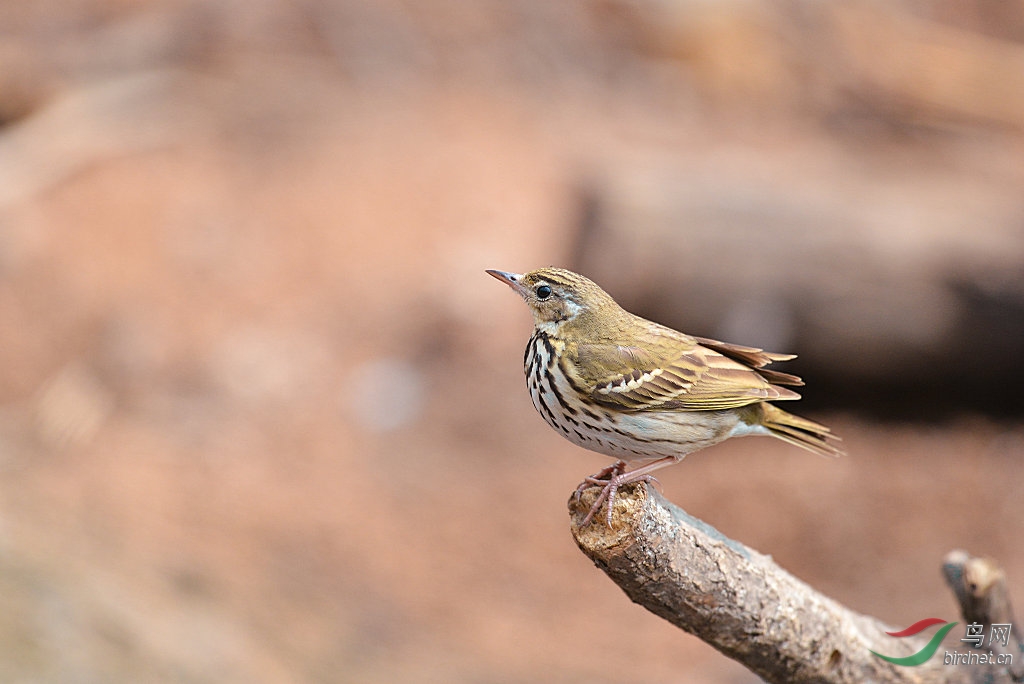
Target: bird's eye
{"points": [[543, 292]]}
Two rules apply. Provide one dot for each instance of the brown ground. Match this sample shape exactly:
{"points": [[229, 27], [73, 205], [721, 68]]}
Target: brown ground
{"points": [[262, 416]]}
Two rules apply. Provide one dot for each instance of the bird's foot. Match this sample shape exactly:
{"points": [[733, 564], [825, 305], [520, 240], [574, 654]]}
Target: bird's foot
{"points": [[609, 490], [601, 477], [613, 477]]}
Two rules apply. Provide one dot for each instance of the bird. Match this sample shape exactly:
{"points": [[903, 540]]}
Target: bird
{"points": [[647, 395]]}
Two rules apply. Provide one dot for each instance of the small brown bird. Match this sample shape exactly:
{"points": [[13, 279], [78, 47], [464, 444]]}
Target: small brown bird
{"points": [[629, 388]]}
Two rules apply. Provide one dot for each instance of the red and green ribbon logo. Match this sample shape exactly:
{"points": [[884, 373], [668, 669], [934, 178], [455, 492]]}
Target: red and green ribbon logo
{"points": [[929, 650]]}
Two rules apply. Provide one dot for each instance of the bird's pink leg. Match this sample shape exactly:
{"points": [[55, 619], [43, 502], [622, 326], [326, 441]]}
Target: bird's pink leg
{"points": [[612, 484]]}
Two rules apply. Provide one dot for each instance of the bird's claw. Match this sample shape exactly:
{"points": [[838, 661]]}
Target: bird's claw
{"points": [[601, 477], [608, 492]]}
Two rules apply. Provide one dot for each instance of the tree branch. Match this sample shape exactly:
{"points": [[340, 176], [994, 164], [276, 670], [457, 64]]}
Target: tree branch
{"points": [[979, 585], [743, 604]]}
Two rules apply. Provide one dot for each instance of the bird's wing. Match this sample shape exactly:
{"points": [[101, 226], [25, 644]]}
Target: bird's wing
{"points": [[681, 374]]}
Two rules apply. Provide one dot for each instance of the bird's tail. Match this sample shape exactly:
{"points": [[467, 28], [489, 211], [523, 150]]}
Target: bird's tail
{"points": [[799, 431]]}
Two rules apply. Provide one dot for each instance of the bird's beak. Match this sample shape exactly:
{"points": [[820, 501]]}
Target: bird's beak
{"points": [[510, 279]]}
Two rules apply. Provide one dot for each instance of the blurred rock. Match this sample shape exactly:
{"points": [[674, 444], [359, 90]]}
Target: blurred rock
{"points": [[888, 60], [914, 299]]}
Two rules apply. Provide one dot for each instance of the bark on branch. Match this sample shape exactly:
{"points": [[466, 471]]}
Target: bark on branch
{"points": [[742, 603]]}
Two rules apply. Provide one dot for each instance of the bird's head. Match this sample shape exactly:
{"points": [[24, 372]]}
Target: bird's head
{"points": [[558, 298]]}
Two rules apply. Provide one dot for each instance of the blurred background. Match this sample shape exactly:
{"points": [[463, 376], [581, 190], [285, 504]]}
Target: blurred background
{"points": [[262, 414]]}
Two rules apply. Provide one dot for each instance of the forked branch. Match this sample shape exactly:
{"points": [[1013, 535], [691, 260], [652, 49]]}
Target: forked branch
{"points": [[742, 603]]}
